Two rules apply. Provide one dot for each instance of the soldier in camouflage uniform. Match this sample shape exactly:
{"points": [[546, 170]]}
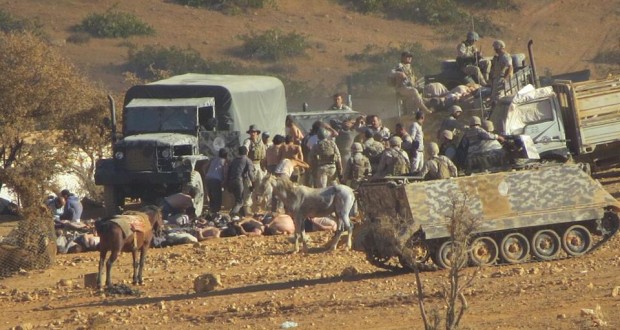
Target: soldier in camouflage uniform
{"points": [[394, 161], [501, 69], [404, 83], [469, 60], [438, 167], [452, 123], [475, 137], [357, 167], [448, 146], [372, 149], [325, 161], [256, 153]]}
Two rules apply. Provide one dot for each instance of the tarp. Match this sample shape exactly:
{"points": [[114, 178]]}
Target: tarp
{"points": [[512, 117], [240, 101]]}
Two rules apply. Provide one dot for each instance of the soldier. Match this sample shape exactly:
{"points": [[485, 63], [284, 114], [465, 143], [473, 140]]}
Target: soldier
{"points": [[418, 142], [357, 167], [372, 149], [468, 58], [501, 69], [448, 146], [344, 140], [438, 167], [403, 79], [452, 123], [339, 103], [474, 137], [240, 176], [325, 160], [256, 153], [394, 161]]}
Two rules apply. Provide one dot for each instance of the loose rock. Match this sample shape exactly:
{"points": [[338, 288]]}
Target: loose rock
{"points": [[207, 282]]}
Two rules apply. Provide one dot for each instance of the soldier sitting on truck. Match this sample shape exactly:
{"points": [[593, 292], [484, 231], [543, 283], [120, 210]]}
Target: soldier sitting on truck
{"points": [[469, 60], [403, 80]]}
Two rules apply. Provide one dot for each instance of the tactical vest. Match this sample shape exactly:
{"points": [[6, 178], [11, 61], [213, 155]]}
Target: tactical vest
{"points": [[443, 171], [326, 152], [359, 166], [401, 165], [257, 150]]}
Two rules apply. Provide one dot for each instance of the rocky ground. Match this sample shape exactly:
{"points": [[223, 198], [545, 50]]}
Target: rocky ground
{"points": [[264, 286]]}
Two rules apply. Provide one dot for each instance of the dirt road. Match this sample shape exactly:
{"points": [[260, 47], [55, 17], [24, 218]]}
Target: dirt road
{"points": [[264, 286]]}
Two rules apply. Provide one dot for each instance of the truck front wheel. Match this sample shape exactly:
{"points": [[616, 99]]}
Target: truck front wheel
{"points": [[196, 182]]}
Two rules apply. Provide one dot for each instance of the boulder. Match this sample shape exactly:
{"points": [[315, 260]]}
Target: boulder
{"points": [[207, 282]]}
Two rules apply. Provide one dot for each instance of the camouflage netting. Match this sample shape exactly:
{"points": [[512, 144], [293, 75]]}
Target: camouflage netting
{"points": [[31, 245]]}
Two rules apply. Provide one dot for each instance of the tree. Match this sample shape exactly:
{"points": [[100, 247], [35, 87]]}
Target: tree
{"points": [[40, 93]]}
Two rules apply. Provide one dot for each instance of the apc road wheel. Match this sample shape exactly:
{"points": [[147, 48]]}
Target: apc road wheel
{"points": [[196, 182], [111, 200], [576, 240], [546, 244], [483, 251], [444, 256], [515, 248]]}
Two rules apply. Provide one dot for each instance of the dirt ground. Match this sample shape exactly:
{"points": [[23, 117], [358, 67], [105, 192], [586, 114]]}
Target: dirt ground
{"points": [[263, 286]]}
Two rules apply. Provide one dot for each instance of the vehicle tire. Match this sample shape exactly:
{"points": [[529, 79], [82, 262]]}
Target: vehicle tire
{"points": [[483, 251], [576, 240], [443, 256], [196, 182], [111, 200], [546, 244], [515, 248]]}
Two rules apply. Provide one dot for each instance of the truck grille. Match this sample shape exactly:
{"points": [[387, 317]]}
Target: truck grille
{"points": [[140, 159]]}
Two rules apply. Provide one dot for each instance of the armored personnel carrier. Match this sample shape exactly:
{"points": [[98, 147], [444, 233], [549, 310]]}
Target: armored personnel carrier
{"points": [[545, 213]]}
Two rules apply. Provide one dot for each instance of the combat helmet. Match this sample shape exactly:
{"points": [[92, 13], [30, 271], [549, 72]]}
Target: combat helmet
{"points": [[473, 36], [357, 147], [396, 141]]}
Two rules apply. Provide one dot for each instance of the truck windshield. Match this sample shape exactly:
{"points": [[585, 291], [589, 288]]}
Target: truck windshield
{"points": [[160, 119]]}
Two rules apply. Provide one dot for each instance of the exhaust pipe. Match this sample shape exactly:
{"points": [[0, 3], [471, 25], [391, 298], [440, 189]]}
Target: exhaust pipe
{"points": [[112, 119], [530, 51]]}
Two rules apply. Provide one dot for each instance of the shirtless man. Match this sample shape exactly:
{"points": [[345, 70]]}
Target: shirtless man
{"points": [[281, 224]]}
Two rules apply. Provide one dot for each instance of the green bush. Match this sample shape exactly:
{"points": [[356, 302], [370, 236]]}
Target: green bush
{"points": [[274, 44], [226, 6], [150, 62], [490, 4], [381, 61], [10, 23], [114, 24]]}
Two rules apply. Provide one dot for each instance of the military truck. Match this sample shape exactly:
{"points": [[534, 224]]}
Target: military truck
{"points": [[540, 214], [568, 120], [172, 127]]}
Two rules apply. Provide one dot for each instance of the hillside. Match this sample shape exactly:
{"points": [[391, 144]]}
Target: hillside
{"points": [[568, 34]]}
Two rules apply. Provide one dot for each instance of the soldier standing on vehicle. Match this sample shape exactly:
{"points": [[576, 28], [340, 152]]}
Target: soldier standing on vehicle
{"points": [[501, 69], [394, 161], [357, 167], [418, 142], [438, 167], [339, 103], [469, 60], [256, 153], [448, 146], [475, 136], [403, 79], [325, 160]]}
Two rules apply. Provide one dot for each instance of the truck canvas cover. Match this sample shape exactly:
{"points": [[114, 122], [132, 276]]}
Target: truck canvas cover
{"points": [[239, 100]]}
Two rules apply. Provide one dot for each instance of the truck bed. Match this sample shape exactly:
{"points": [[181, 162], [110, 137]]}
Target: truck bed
{"points": [[591, 113]]}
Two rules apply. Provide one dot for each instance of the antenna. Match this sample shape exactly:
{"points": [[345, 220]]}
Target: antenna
{"points": [[482, 110]]}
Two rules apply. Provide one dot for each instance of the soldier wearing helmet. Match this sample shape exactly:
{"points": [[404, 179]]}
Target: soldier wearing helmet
{"points": [[438, 167], [357, 167], [448, 145], [469, 60], [324, 159], [394, 160], [501, 68], [452, 123], [476, 138]]}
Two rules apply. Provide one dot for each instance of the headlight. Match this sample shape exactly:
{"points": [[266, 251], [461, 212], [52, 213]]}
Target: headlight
{"points": [[166, 153], [119, 155]]}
